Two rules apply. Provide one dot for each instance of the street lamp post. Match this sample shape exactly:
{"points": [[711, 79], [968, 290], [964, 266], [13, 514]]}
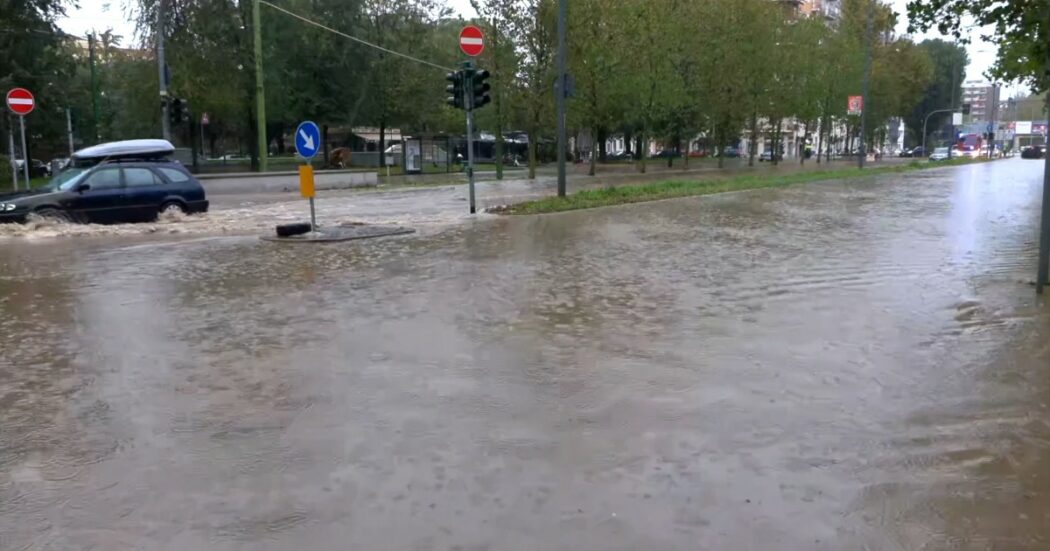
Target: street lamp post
{"points": [[866, 85], [932, 113]]}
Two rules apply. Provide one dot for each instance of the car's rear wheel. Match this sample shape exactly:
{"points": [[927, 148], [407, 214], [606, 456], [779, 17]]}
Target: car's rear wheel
{"points": [[172, 208]]}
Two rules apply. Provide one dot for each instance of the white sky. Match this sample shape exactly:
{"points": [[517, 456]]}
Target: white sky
{"points": [[105, 14]]}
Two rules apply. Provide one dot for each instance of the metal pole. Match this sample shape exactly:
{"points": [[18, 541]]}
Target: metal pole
{"points": [[866, 86], [11, 148], [94, 87], [563, 140], [994, 113], [1044, 236], [468, 102], [69, 129], [926, 120], [162, 71], [25, 152], [313, 211], [260, 92]]}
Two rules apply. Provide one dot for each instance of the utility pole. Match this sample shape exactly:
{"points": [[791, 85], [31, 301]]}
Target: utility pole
{"points": [[1044, 240], [866, 85], [260, 92], [162, 70], [560, 91], [994, 114], [69, 129], [94, 86]]}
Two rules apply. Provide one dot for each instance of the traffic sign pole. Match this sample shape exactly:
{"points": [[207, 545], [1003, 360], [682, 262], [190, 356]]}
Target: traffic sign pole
{"points": [[468, 102], [25, 154], [11, 148]]}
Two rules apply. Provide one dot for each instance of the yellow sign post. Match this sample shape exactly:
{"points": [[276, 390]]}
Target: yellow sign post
{"points": [[306, 189], [306, 181]]}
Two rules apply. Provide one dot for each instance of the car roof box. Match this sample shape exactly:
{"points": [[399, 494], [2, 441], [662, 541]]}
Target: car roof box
{"points": [[127, 149]]}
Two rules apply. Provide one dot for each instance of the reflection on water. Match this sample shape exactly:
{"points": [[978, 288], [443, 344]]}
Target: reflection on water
{"points": [[834, 366]]}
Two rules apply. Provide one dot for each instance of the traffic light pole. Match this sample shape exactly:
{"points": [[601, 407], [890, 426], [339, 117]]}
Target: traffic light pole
{"points": [[165, 124], [559, 100], [468, 104]]}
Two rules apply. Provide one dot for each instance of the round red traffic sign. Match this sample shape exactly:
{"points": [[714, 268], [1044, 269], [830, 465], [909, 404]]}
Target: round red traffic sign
{"points": [[20, 101], [471, 41]]}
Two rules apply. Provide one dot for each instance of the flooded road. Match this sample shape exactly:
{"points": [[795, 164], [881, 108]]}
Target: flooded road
{"points": [[844, 365]]}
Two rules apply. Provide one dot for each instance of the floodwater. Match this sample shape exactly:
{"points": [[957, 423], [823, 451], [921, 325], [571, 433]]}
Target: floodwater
{"points": [[843, 365]]}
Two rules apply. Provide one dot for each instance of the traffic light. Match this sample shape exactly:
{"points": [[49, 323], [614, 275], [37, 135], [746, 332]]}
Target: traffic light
{"points": [[481, 89], [178, 111], [175, 109], [966, 109], [455, 89]]}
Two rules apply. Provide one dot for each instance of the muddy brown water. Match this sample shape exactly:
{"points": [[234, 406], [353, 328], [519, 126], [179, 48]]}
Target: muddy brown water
{"points": [[843, 365]]}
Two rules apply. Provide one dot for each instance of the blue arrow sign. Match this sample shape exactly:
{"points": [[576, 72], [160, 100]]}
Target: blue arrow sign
{"points": [[307, 139]]}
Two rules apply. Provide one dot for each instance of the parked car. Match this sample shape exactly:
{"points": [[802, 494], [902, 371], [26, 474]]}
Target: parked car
{"points": [[939, 154], [1033, 152], [767, 155], [666, 154], [130, 181], [37, 168], [618, 156], [58, 164], [730, 152]]}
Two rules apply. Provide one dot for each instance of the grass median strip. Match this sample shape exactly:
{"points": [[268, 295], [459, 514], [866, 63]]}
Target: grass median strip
{"points": [[640, 193]]}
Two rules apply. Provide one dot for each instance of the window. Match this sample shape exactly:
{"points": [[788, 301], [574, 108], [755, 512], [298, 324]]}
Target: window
{"points": [[139, 177], [107, 178], [176, 176]]}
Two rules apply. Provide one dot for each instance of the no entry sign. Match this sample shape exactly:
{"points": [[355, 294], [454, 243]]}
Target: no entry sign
{"points": [[20, 101], [471, 41]]}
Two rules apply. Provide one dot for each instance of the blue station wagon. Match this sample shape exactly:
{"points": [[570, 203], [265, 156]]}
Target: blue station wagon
{"points": [[129, 181]]}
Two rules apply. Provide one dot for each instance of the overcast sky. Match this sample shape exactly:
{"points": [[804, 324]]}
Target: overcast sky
{"points": [[104, 14]]}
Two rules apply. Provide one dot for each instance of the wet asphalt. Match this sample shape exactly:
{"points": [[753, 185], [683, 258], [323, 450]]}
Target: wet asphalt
{"points": [[855, 364]]}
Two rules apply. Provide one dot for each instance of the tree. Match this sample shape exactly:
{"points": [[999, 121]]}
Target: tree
{"points": [[945, 89], [597, 62], [1020, 29], [501, 56], [535, 28]]}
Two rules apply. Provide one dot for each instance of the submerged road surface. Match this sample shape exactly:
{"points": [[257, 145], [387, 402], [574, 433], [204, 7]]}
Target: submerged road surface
{"points": [[843, 365]]}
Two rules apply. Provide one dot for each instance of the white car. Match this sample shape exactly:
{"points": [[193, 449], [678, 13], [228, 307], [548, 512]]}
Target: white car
{"points": [[939, 154]]}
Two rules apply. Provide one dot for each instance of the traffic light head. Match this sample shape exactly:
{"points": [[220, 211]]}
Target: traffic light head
{"points": [[175, 111], [966, 109], [455, 89], [481, 89]]}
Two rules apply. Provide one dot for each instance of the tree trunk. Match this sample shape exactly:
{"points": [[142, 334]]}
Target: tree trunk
{"points": [[382, 143], [720, 147], [627, 139], [253, 144], [802, 146], [688, 148], [643, 147], [533, 145], [777, 138], [752, 143], [324, 140], [592, 163], [603, 135]]}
